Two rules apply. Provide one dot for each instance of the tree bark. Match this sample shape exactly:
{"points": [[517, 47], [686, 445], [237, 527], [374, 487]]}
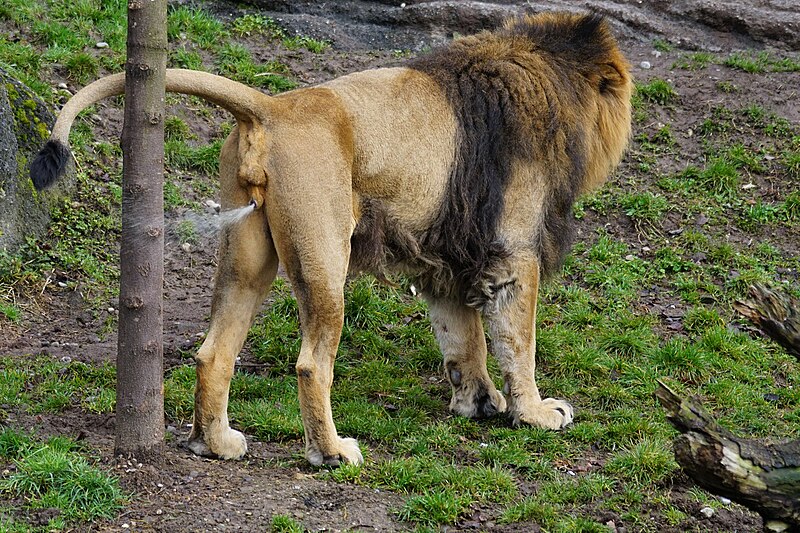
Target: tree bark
{"points": [[776, 314], [760, 475], [140, 384]]}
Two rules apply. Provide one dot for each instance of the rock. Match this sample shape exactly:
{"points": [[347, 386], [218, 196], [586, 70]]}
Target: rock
{"points": [[102, 44], [645, 65], [708, 512], [25, 123]]}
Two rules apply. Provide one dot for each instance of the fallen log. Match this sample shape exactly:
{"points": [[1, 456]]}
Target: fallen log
{"points": [[776, 315], [757, 474]]}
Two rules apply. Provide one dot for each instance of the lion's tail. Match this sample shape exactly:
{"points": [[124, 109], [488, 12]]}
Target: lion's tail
{"points": [[248, 105]]}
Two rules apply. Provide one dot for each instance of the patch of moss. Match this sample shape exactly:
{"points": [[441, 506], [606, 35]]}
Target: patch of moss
{"points": [[31, 117]]}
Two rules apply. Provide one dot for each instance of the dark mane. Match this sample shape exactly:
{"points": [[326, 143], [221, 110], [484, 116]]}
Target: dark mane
{"points": [[511, 90]]}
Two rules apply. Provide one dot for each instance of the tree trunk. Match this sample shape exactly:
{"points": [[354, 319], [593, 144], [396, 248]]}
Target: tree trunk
{"points": [[140, 384], [760, 475]]}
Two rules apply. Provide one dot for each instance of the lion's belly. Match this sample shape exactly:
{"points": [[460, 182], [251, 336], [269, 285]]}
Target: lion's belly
{"points": [[404, 136]]}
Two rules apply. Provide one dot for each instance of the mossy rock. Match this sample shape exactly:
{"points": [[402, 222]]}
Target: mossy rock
{"points": [[25, 123]]}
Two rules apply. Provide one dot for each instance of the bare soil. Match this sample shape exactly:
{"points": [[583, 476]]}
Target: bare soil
{"points": [[182, 492]]}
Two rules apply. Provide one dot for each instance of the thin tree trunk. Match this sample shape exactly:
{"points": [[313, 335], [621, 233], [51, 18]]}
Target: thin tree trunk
{"points": [[140, 385]]}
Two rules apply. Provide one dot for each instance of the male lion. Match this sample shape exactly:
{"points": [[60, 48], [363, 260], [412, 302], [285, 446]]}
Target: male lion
{"points": [[459, 169]]}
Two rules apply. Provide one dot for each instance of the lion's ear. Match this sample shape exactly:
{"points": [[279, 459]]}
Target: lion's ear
{"points": [[610, 76]]}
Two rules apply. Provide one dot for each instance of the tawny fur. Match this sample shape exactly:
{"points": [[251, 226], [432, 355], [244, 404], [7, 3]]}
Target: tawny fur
{"points": [[458, 170]]}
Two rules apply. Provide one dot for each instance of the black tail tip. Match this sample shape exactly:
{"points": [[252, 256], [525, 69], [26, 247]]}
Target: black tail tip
{"points": [[49, 164]]}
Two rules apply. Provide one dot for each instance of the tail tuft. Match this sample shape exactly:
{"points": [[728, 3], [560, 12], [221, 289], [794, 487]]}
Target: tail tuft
{"points": [[49, 164]]}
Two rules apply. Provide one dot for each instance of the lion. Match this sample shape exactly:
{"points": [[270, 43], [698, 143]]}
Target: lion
{"points": [[458, 169]]}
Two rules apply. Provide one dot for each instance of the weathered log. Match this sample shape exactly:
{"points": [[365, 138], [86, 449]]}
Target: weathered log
{"points": [[775, 314], [761, 475]]}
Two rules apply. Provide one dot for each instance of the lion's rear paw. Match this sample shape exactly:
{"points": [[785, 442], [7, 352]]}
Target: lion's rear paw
{"points": [[550, 413], [224, 444], [347, 452]]}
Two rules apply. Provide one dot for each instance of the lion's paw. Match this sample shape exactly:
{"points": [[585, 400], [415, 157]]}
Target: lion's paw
{"points": [[224, 444], [477, 401], [347, 452], [550, 413]]}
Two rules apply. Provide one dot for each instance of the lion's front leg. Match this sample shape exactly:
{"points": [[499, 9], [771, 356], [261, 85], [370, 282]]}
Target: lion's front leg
{"points": [[513, 331], [459, 331]]}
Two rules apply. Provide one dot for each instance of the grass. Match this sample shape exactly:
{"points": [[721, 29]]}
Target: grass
{"points": [[695, 61], [285, 524], [53, 474], [657, 91], [644, 208], [761, 62], [252, 24]]}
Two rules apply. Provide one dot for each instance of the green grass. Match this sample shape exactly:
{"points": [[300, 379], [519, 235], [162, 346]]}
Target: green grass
{"points": [[54, 474], [235, 61], [10, 311], [695, 61], [644, 208], [657, 91], [251, 24], [195, 25], [761, 62], [45, 386], [285, 524]]}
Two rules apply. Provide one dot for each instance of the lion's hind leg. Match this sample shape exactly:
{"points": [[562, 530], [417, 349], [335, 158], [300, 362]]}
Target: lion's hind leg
{"points": [[247, 265], [309, 205], [513, 331], [459, 331]]}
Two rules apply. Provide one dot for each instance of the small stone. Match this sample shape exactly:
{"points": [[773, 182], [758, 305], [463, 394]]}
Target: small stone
{"points": [[159, 511], [111, 310], [125, 526], [66, 359], [724, 501], [186, 247], [213, 205], [102, 44], [656, 53], [708, 512], [645, 65], [748, 186], [62, 85], [630, 257]]}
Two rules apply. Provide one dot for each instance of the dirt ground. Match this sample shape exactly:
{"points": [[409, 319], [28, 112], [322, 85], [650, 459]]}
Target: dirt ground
{"points": [[183, 492]]}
